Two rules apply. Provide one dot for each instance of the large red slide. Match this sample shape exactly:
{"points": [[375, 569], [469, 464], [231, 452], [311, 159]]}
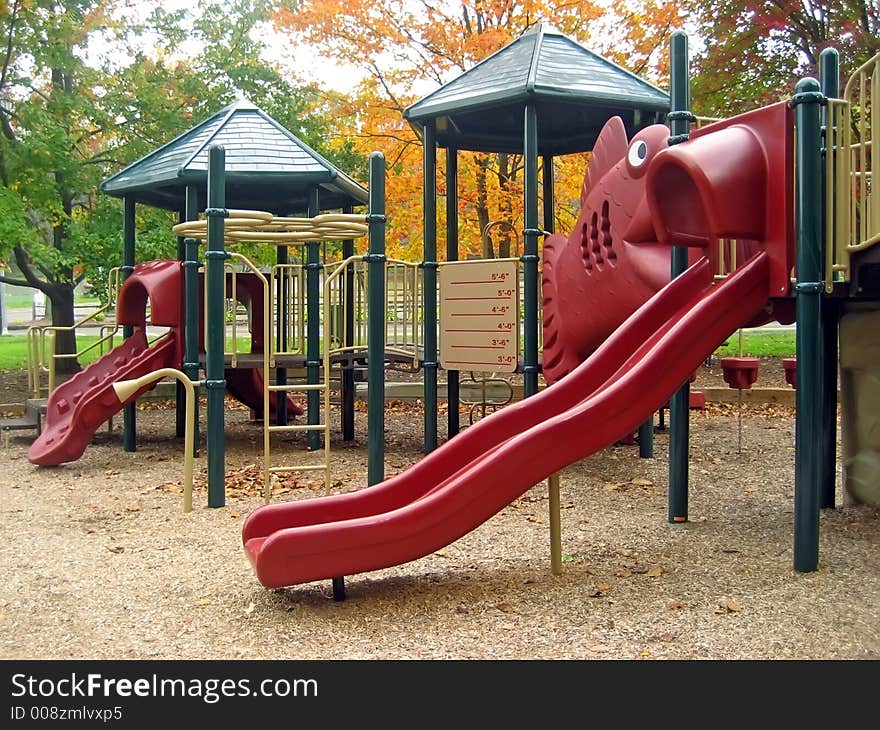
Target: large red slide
{"points": [[470, 478]]}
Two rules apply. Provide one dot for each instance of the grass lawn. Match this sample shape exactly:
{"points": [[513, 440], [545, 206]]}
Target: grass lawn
{"points": [[13, 348], [13, 351], [760, 344]]}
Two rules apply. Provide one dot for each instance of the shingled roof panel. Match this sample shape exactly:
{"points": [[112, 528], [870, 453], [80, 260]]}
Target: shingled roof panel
{"points": [[573, 90], [256, 145]]}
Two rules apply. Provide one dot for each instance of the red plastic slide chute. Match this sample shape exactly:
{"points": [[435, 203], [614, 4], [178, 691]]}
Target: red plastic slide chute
{"points": [[470, 478], [78, 407]]}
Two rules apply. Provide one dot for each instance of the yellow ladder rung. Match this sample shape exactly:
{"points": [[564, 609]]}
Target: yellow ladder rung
{"points": [[302, 387], [300, 427], [309, 467]]}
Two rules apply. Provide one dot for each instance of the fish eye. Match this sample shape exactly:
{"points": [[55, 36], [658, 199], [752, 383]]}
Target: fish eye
{"points": [[638, 153]]}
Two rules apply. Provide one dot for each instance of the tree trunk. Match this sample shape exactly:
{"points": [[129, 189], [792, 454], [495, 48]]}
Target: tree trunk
{"points": [[506, 175], [483, 207], [61, 296]]}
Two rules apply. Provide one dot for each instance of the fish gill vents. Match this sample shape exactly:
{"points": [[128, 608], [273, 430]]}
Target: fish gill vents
{"points": [[597, 244]]}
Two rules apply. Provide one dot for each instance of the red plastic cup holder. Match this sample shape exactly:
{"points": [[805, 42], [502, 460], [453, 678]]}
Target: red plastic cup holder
{"points": [[790, 365], [740, 372]]}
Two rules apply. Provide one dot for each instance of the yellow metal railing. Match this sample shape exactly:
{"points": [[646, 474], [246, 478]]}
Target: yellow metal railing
{"points": [[42, 358], [342, 293], [852, 200], [289, 286]]}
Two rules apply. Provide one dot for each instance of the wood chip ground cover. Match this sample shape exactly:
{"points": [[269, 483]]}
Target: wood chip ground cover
{"points": [[99, 561]]}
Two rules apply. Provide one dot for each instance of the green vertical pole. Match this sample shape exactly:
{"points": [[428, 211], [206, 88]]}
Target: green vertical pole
{"points": [[829, 69], [129, 417], [549, 194], [679, 412], [453, 384], [283, 291], [429, 284], [313, 326], [192, 307], [529, 256], [376, 323], [179, 390], [646, 438], [348, 388], [215, 331], [808, 419]]}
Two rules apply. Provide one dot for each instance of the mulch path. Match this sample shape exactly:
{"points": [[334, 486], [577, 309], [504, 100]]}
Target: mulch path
{"points": [[99, 561]]}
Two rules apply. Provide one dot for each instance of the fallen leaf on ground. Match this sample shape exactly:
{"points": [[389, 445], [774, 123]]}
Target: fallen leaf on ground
{"points": [[250, 608], [675, 605], [203, 602], [116, 549], [655, 571], [615, 486], [505, 607], [728, 606], [641, 482], [599, 648], [133, 507]]}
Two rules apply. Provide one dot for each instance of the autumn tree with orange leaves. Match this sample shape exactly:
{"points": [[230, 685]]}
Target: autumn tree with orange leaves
{"points": [[408, 48]]}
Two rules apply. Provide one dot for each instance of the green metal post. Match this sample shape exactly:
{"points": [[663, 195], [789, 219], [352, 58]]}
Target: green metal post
{"points": [[313, 326], [453, 386], [348, 387], [829, 69], [376, 323], [529, 257], [429, 285], [808, 420], [129, 413], [375, 343], [646, 438], [192, 306], [281, 257], [215, 331], [180, 390], [547, 188], [679, 412]]}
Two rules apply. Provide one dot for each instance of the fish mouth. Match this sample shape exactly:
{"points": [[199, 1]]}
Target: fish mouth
{"points": [[709, 188], [641, 225]]}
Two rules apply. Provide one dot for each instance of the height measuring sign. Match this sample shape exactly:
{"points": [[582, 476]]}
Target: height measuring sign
{"points": [[479, 315]]}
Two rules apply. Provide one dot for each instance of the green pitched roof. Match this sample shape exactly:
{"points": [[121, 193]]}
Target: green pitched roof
{"points": [[574, 91], [267, 167]]}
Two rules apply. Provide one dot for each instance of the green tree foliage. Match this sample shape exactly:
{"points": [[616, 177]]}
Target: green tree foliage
{"points": [[89, 86], [755, 50]]}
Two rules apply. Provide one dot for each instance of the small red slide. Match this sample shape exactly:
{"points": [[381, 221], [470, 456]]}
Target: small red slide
{"points": [[467, 480], [78, 407], [246, 386]]}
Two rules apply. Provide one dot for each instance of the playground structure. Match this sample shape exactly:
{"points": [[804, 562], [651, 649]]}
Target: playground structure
{"points": [[733, 191], [720, 198]]}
